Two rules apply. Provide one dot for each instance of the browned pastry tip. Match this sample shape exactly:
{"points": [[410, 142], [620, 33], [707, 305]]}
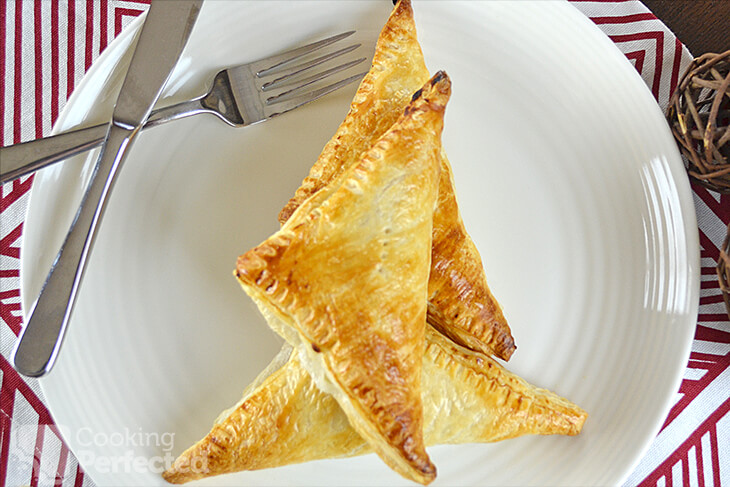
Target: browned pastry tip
{"points": [[397, 71]]}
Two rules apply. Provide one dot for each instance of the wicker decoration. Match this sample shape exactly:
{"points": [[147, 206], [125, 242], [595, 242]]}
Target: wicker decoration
{"points": [[699, 113]]}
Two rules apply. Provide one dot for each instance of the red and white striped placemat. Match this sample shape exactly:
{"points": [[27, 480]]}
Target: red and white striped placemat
{"points": [[45, 49]]}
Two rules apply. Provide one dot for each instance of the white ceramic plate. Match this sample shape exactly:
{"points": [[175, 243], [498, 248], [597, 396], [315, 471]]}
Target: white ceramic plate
{"points": [[568, 180]]}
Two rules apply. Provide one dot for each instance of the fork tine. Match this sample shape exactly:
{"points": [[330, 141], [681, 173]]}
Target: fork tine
{"points": [[300, 68], [271, 63], [290, 103], [301, 83]]}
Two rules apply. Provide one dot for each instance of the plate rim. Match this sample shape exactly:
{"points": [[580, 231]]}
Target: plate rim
{"points": [[684, 190]]}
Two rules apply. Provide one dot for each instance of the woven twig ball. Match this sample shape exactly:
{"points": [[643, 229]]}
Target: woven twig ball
{"points": [[699, 114]]}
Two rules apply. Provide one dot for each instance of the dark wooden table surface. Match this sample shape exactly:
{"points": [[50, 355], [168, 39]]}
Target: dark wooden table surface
{"points": [[702, 25]]}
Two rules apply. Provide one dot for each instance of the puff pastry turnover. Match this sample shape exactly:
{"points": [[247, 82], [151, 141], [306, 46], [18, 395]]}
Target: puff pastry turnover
{"points": [[467, 398], [346, 284], [460, 303]]}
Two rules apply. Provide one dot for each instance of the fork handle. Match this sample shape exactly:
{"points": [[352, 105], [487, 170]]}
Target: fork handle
{"points": [[22, 159]]}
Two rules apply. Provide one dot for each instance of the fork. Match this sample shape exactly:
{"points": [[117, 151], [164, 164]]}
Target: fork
{"points": [[240, 96]]}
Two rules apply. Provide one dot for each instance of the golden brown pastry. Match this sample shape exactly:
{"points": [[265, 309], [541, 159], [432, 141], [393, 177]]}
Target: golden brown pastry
{"points": [[467, 397], [346, 284], [460, 302]]}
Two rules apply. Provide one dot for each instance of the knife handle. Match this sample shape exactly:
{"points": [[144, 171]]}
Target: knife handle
{"points": [[42, 335]]}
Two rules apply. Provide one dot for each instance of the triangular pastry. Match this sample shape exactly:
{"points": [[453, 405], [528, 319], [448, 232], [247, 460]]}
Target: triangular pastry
{"points": [[460, 302], [467, 398], [346, 284]]}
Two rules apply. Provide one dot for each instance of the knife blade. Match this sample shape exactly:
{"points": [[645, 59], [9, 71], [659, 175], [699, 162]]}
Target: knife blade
{"points": [[164, 34]]}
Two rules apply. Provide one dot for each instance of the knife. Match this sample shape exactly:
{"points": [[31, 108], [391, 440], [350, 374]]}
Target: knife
{"points": [[164, 34]]}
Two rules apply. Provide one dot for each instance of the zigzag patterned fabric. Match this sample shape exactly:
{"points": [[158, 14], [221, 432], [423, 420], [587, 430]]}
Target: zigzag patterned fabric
{"points": [[45, 49]]}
